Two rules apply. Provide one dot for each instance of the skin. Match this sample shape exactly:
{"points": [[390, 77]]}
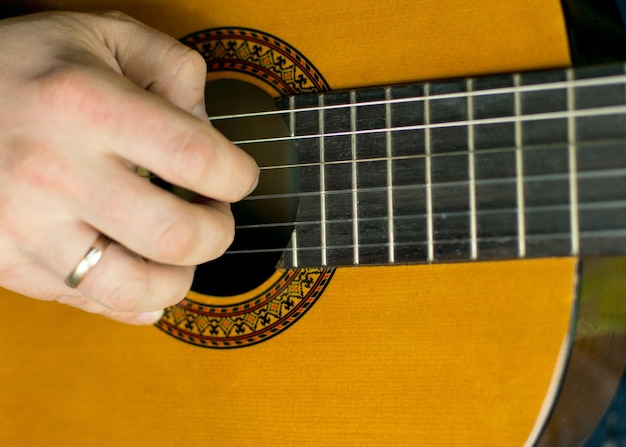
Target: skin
{"points": [[84, 100]]}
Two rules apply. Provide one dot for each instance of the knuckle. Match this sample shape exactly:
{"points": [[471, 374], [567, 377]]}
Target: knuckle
{"points": [[191, 63], [183, 241], [199, 158], [36, 165], [176, 240], [62, 84], [185, 71], [69, 91], [195, 161], [130, 293], [112, 199]]}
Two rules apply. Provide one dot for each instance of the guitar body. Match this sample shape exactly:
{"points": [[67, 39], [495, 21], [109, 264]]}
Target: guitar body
{"points": [[448, 354]]}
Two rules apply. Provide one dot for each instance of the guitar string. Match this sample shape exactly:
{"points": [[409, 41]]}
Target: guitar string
{"points": [[607, 205], [581, 113], [557, 85], [582, 145], [554, 208], [585, 234], [589, 174], [602, 111], [480, 213], [596, 174]]}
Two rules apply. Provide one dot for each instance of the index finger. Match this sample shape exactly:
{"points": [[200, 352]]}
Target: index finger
{"points": [[156, 136], [156, 61], [182, 149], [150, 132]]}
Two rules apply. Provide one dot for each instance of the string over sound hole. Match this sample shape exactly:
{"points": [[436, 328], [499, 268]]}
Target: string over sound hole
{"points": [[263, 225]]}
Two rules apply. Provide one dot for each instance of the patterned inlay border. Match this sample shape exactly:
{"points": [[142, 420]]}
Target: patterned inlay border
{"points": [[281, 303], [249, 322], [260, 55]]}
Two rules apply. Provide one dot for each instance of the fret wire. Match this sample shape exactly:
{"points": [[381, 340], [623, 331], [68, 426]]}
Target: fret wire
{"points": [[355, 201], [519, 171], [294, 233], [573, 181], [563, 207], [593, 82], [428, 177], [619, 233], [599, 111], [388, 142], [294, 247], [292, 116], [591, 174], [471, 174], [320, 117]]}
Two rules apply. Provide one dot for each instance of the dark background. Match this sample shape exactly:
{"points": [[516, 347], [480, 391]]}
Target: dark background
{"points": [[611, 432]]}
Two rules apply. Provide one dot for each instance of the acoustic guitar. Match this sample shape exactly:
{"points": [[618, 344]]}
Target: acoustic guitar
{"points": [[434, 255]]}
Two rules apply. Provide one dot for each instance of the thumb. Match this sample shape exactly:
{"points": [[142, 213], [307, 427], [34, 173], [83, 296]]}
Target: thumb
{"points": [[156, 62]]}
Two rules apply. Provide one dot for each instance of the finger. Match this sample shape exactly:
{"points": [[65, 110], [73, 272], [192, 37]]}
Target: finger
{"points": [[150, 221], [148, 131], [104, 193], [121, 281], [157, 62], [186, 152], [45, 284], [162, 65], [136, 318], [126, 283]]}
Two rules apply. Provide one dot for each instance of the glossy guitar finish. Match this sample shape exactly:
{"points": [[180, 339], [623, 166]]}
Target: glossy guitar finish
{"points": [[443, 354]]}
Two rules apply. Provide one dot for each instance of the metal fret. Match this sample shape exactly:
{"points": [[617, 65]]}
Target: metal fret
{"points": [[388, 143], [573, 169], [355, 198], [471, 174], [428, 175], [519, 172], [320, 118], [292, 132], [472, 177]]}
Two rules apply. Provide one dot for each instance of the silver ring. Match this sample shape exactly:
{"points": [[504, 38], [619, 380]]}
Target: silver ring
{"points": [[88, 262]]}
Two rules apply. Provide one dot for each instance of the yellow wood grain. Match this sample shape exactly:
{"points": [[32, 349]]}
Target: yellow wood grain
{"points": [[428, 355], [371, 42]]}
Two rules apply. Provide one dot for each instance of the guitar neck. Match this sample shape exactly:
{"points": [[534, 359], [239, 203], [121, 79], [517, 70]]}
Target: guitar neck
{"points": [[501, 167]]}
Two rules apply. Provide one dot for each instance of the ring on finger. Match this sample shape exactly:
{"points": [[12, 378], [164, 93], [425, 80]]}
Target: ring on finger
{"points": [[88, 262]]}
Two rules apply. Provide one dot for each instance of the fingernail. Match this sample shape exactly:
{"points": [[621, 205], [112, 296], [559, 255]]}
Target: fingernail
{"points": [[149, 317]]}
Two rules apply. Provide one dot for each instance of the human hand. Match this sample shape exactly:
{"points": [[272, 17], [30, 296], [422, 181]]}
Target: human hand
{"points": [[85, 99]]}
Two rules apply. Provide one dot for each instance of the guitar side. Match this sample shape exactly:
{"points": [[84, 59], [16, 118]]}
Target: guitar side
{"points": [[595, 362]]}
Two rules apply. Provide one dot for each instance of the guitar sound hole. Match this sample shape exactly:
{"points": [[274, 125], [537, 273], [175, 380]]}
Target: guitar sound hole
{"points": [[234, 273]]}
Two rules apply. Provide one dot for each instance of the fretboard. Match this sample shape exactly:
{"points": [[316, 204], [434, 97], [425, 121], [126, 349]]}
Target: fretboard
{"points": [[502, 167]]}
